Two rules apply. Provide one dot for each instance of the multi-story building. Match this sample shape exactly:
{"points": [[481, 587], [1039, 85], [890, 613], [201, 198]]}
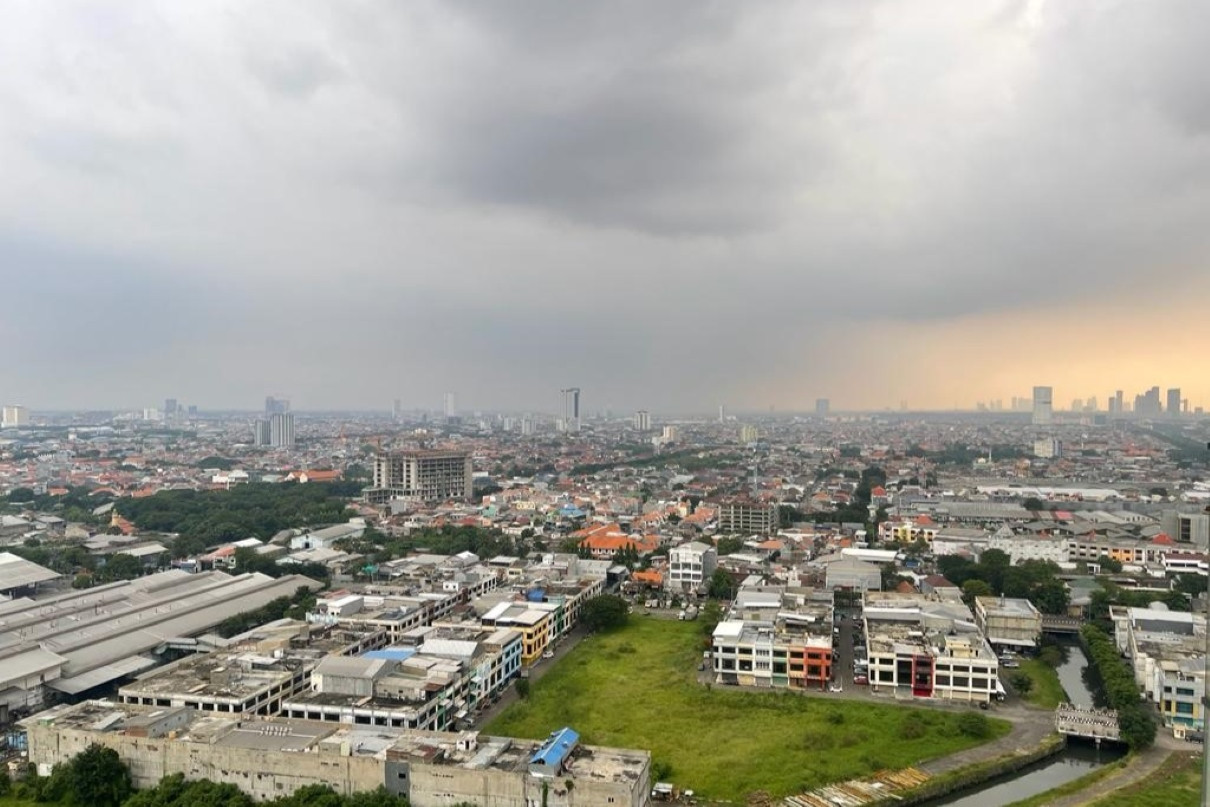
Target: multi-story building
{"points": [[927, 646], [254, 674], [642, 421], [1166, 651], [424, 476], [261, 435], [272, 757], [771, 655], [1043, 414], [1174, 402], [690, 566], [535, 620], [281, 430], [746, 516], [13, 416], [1029, 546], [1008, 621], [1192, 528]]}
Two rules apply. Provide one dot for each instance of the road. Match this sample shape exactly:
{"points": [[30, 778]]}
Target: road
{"points": [[536, 672]]}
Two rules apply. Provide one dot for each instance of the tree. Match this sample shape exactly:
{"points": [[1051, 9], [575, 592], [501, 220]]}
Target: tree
{"points": [[605, 612], [523, 688], [729, 545], [1051, 597], [1033, 504], [1109, 564], [21, 495], [1022, 683], [711, 615], [122, 567], [975, 588], [95, 777], [720, 585], [1192, 584]]}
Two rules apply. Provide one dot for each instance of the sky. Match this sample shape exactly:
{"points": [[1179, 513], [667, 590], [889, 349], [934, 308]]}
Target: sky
{"points": [[670, 205]]}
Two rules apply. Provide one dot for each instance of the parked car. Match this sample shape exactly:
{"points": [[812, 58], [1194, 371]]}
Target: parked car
{"points": [[548, 654], [861, 678], [836, 688]]}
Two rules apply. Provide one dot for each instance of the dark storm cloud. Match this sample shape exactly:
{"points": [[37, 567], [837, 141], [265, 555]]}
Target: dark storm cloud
{"points": [[666, 203]]}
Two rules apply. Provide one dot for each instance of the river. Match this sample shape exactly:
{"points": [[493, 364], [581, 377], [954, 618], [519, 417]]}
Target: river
{"points": [[1074, 761]]}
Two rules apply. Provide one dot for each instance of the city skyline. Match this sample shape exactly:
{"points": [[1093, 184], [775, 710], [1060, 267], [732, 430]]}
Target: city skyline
{"points": [[758, 204]]}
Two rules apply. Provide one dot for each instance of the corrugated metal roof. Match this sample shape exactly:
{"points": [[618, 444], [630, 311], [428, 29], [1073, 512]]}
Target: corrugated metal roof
{"points": [[17, 572]]}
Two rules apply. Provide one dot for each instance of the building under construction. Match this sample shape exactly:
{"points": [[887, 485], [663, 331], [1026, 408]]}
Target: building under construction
{"points": [[421, 475]]}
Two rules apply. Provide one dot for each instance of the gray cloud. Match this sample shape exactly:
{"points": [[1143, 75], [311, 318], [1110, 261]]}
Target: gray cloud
{"points": [[669, 203]]}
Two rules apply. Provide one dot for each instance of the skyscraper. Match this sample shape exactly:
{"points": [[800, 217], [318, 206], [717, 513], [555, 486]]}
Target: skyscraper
{"points": [[1174, 402], [722, 414], [822, 406], [260, 432], [396, 410], [1043, 413], [171, 408], [571, 408], [449, 406], [14, 416], [642, 420], [276, 406], [281, 430]]}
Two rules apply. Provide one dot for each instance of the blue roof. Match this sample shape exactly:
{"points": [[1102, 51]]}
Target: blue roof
{"points": [[391, 653], [556, 749], [535, 595]]}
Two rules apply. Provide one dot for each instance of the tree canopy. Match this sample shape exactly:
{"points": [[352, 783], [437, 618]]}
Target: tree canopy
{"points": [[605, 612]]}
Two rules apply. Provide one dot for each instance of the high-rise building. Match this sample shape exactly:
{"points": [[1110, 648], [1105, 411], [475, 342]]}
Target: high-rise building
{"points": [[642, 420], [571, 409], [423, 476], [748, 434], [14, 416], [822, 406], [260, 432], [1043, 412], [449, 406], [171, 408], [276, 406], [1174, 402], [722, 414], [281, 430], [396, 410], [527, 427]]}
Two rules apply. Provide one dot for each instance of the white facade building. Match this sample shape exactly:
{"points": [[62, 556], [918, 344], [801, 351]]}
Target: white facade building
{"points": [[690, 566]]}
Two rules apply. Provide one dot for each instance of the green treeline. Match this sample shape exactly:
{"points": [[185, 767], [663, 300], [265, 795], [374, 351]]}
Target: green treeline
{"points": [[253, 510], [1117, 683]]}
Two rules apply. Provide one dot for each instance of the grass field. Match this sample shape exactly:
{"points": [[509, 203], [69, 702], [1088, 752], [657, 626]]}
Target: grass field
{"points": [[1046, 692], [635, 688], [1177, 783]]}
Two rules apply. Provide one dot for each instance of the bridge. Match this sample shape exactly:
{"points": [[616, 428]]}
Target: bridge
{"points": [[1091, 724], [1061, 624]]}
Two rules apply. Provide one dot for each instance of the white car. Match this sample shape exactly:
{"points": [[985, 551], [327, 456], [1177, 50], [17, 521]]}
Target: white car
{"points": [[548, 654], [836, 688]]}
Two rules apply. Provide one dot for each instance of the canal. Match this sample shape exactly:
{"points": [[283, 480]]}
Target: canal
{"points": [[1077, 759]]}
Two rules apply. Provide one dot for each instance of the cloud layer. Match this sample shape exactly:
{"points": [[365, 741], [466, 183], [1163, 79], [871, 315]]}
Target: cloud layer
{"points": [[670, 205]]}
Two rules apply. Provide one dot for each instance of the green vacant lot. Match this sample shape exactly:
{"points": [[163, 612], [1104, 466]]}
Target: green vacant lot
{"points": [[635, 688], [1046, 692], [1176, 783]]}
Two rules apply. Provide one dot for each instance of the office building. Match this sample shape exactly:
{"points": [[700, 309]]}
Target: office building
{"points": [[527, 427], [171, 408], [748, 434], [1048, 448], [14, 416], [1043, 406], [449, 406], [260, 432], [1174, 402], [722, 414], [281, 430], [571, 409], [822, 406], [396, 410], [423, 476], [642, 420]]}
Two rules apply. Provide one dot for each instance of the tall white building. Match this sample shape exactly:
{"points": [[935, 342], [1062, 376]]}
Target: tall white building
{"points": [[14, 416], [642, 420], [450, 406], [690, 566], [281, 430], [1043, 412]]}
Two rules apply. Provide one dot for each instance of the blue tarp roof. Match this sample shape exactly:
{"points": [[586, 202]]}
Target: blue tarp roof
{"points": [[391, 653], [555, 750]]}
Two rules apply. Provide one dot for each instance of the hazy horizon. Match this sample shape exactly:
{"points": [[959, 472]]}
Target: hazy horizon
{"points": [[670, 205]]}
